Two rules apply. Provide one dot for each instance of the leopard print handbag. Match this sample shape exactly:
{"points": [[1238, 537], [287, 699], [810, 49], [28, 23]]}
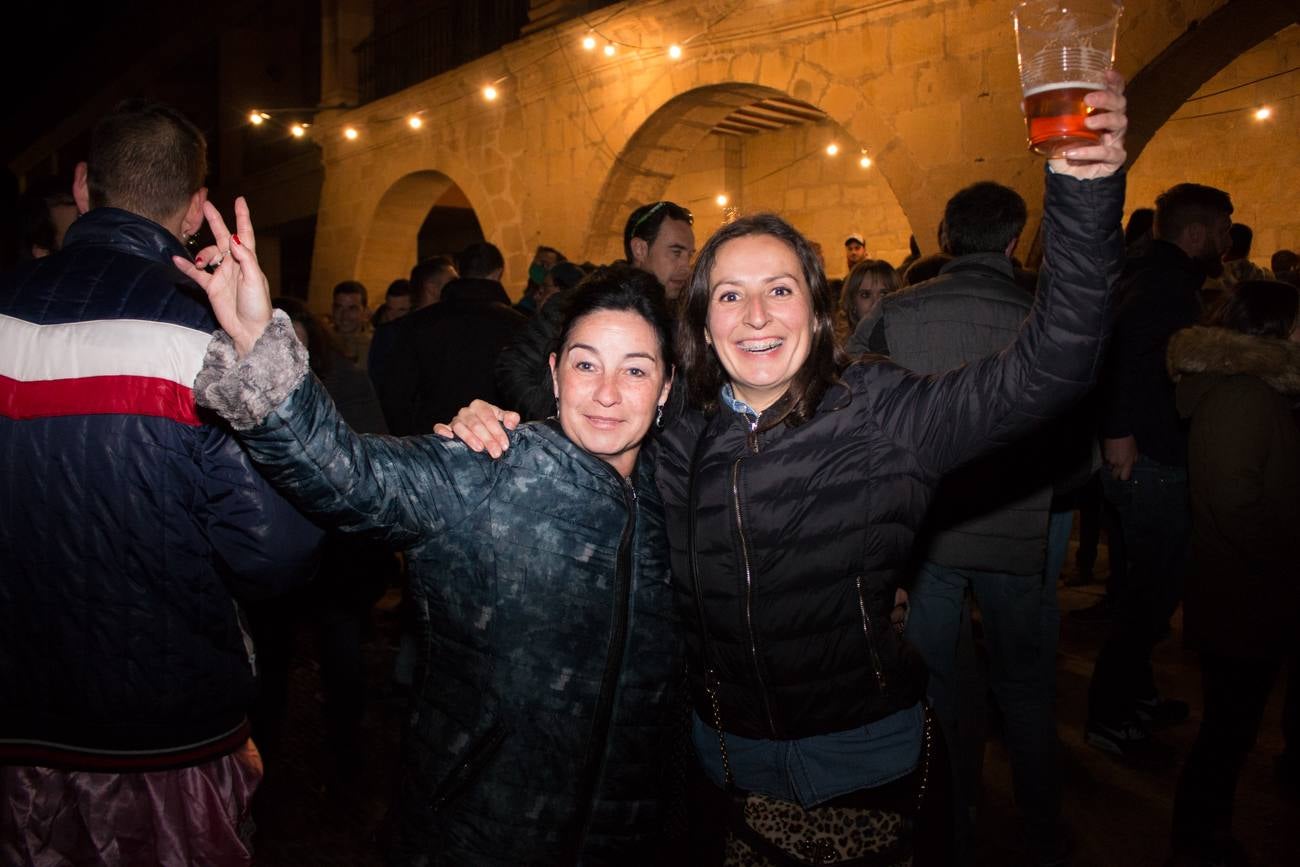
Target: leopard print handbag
{"points": [[781, 834], [767, 832]]}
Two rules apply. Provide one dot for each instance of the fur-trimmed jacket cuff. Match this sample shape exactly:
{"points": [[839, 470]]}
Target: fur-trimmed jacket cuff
{"points": [[244, 391]]}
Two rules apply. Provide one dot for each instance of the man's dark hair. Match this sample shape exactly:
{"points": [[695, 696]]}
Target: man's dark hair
{"points": [[646, 221], [1262, 308], [479, 260], [541, 248], [1242, 236], [983, 218], [352, 287], [425, 272], [146, 158], [700, 365], [1186, 205], [1283, 261], [620, 287], [1139, 227], [399, 288], [429, 269]]}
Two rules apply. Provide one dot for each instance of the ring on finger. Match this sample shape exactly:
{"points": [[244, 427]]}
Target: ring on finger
{"points": [[219, 258]]}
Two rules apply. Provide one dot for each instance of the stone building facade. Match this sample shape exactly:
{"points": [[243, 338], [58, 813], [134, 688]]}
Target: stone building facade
{"points": [[926, 89]]}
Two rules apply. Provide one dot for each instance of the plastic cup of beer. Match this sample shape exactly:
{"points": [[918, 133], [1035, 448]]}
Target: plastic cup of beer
{"points": [[1064, 48]]}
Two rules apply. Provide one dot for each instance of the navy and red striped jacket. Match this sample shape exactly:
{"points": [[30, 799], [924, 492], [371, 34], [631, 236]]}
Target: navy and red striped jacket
{"points": [[129, 522]]}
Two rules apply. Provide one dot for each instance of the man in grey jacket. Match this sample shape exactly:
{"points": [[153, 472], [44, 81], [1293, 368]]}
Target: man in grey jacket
{"points": [[988, 528]]}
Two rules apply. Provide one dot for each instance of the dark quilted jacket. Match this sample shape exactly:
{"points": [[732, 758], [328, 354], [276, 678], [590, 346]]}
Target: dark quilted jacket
{"points": [[541, 586], [802, 533], [129, 524]]}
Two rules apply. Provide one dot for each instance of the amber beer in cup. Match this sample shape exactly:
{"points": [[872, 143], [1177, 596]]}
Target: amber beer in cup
{"points": [[1064, 50]]}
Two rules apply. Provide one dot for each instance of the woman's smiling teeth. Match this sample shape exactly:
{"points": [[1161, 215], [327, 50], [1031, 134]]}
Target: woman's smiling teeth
{"points": [[760, 345]]}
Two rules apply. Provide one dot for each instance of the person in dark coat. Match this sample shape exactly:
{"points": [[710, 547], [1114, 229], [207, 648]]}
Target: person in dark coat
{"points": [[542, 702], [987, 532], [444, 355], [133, 529], [1144, 446], [1238, 381]]}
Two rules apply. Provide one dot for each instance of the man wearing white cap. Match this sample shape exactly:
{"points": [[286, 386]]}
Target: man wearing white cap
{"points": [[855, 249]]}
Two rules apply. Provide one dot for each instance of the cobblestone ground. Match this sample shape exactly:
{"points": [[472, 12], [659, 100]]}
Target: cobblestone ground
{"points": [[1118, 814]]}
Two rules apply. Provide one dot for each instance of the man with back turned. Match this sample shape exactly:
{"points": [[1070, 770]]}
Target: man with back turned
{"points": [[130, 525]]}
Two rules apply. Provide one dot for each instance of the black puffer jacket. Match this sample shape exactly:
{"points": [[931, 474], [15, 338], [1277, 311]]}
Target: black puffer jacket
{"points": [[801, 533], [129, 523], [444, 354]]}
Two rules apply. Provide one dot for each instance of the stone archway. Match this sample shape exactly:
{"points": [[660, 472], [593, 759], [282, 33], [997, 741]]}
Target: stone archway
{"points": [[764, 150], [1195, 57], [391, 243], [1214, 138]]}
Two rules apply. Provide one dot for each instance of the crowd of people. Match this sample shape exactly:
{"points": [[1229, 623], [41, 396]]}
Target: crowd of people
{"points": [[694, 547]]}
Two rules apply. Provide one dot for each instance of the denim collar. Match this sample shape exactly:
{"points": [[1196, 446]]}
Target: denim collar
{"points": [[738, 406]]}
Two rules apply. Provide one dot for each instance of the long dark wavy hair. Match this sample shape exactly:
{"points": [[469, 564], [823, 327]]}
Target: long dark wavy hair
{"points": [[699, 362]]}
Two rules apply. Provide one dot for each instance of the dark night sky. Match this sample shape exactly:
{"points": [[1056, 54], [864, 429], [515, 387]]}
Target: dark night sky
{"points": [[56, 50]]}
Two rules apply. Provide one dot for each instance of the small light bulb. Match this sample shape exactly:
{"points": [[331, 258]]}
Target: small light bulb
{"points": [[1263, 113], [489, 92], [610, 50], [832, 150], [589, 43], [256, 118], [297, 130], [350, 133], [865, 162], [721, 200], [414, 121], [675, 51]]}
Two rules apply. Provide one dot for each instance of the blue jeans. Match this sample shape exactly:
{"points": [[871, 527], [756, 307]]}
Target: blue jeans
{"points": [[1059, 525], [1156, 520], [1021, 625]]}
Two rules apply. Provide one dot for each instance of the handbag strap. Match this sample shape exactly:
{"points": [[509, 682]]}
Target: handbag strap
{"points": [[927, 748], [710, 676]]}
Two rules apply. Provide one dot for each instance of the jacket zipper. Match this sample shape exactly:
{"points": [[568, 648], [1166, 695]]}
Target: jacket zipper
{"points": [[594, 763], [871, 642], [469, 768], [752, 440]]}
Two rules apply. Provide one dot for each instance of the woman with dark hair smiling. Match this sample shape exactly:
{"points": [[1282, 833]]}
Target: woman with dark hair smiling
{"points": [[794, 491], [541, 702]]}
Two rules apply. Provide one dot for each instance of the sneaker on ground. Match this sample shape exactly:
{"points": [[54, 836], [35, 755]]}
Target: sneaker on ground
{"points": [[1158, 711], [1123, 738]]}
